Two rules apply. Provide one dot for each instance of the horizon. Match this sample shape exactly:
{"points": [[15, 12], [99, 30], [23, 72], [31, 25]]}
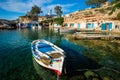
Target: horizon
{"points": [[12, 9]]}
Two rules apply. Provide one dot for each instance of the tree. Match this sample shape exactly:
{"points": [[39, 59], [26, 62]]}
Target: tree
{"points": [[59, 20], [102, 1], [35, 11], [95, 3], [116, 6], [114, 1], [58, 11], [28, 14]]}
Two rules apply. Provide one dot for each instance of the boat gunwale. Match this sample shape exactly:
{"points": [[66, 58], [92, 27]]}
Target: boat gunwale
{"points": [[57, 49]]}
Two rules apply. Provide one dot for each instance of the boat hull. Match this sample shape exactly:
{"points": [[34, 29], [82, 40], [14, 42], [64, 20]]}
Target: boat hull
{"points": [[55, 63], [56, 71], [43, 72]]}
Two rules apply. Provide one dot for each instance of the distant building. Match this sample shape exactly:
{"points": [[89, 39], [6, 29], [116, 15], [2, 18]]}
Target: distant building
{"points": [[24, 19], [41, 18], [27, 21]]}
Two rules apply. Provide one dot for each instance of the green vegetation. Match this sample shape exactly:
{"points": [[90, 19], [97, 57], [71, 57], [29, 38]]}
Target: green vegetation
{"points": [[88, 13], [109, 8], [55, 20], [116, 6], [96, 9], [99, 48], [95, 3], [58, 11], [118, 15], [114, 1], [105, 48], [101, 10], [59, 20], [104, 52], [35, 11], [47, 21]]}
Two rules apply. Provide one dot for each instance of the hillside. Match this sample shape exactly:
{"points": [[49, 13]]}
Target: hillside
{"points": [[4, 21], [94, 14]]}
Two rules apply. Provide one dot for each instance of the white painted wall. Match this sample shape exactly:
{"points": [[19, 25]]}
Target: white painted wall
{"points": [[75, 25], [83, 25], [113, 25], [96, 24], [56, 25]]}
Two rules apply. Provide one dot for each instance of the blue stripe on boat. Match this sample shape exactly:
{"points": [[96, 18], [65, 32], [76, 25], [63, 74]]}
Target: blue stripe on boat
{"points": [[43, 47], [33, 46]]}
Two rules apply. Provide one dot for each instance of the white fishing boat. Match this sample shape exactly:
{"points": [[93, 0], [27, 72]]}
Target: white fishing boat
{"points": [[48, 55]]}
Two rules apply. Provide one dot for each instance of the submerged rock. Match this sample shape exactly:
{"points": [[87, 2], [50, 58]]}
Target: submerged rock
{"points": [[106, 78], [89, 74]]}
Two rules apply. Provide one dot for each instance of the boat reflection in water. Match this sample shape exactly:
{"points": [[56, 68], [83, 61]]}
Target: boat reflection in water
{"points": [[75, 66], [46, 74], [43, 73], [75, 63], [48, 55]]}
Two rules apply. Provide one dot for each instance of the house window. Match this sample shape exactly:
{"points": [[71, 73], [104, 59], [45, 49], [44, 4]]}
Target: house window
{"points": [[103, 26], [78, 25], [90, 25], [36, 24], [106, 26], [71, 24], [65, 24], [109, 26]]}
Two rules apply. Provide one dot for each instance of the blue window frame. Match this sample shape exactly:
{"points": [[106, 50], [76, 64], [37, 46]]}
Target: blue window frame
{"points": [[72, 24], [90, 25], [78, 25], [109, 26], [106, 26]]}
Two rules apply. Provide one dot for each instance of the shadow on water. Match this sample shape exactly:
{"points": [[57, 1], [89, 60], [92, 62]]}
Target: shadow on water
{"points": [[75, 61], [76, 64]]}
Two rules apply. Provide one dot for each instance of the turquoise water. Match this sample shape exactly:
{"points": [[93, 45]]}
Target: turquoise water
{"points": [[17, 63]]}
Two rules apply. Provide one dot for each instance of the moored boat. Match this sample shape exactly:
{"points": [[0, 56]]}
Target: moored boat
{"points": [[48, 55]]}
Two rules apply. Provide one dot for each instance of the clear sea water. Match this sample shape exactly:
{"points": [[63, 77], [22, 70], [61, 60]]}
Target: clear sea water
{"points": [[17, 63]]}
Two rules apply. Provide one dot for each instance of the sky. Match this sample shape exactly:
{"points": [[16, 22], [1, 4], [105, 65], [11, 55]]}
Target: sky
{"points": [[12, 9]]}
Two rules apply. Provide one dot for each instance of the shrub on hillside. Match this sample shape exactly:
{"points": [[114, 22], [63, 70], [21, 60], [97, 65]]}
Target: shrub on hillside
{"points": [[116, 6], [118, 15], [108, 8], [114, 1], [88, 13], [101, 10], [96, 10]]}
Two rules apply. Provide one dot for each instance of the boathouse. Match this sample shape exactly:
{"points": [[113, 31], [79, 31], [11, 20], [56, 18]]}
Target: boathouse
{"points": [[81, 25], [107, 26]]}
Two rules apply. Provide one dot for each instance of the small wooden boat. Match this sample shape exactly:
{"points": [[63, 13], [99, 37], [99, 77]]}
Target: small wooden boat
{"points": [[48, 55]]}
